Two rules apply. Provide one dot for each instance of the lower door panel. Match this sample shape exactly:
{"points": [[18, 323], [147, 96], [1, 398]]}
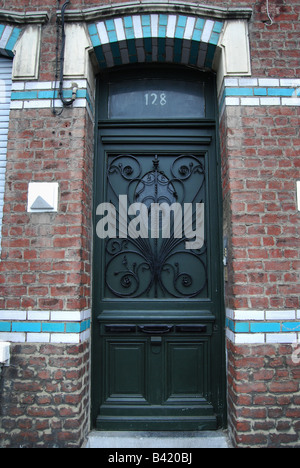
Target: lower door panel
{"points": [[156, 381]]}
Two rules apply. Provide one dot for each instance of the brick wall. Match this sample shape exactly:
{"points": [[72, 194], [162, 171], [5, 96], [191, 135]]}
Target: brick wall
{"points": [[261, 167], [45, 267], [46, 257], [44, 396], [260, 151], [263, 396]]}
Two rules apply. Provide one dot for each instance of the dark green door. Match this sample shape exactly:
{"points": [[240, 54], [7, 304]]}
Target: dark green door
{"points": [[158, 360]]}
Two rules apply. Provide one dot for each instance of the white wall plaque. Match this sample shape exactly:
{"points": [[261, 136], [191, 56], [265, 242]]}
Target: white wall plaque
{"points": [[42, 197]]}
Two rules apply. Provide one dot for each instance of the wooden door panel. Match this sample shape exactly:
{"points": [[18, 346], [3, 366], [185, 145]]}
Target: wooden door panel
{"points": [[186, 370], [126, 371]]}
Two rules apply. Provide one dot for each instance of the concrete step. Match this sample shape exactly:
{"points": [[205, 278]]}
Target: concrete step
{"points": [[158, 440]]}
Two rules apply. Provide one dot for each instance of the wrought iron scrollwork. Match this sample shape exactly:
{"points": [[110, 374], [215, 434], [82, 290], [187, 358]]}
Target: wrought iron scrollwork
{"points": [[161, 267]]}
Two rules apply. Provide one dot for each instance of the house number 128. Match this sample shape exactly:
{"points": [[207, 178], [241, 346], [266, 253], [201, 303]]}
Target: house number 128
{"points": [[155, 99]]}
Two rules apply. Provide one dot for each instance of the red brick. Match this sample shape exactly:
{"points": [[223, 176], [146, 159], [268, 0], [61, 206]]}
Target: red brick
{"points": [[284, 387]]}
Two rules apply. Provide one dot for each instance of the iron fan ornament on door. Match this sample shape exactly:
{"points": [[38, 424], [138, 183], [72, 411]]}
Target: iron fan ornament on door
{"points": [[158, 267]]}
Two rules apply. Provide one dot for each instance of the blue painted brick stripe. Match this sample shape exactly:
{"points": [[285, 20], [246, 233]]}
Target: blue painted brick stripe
{"points": [[45, 327], [265, 327], [20, 95], [28, 95], [13, 39], [53, 327], [95, 40], [28, 327], [5, 326], [287, 92], [239, 92], [260, 91], [243, 327], [92, 29], [291, 327], [262, 327], [85, 325], [73, 328], [218, 26]]}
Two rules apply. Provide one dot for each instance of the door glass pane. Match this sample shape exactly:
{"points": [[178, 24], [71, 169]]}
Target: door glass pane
{"points": [[156, 99], [155, 237]]}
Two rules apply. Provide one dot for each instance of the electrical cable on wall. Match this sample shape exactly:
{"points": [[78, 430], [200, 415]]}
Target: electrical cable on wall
{"points": [[269, 16], [59, 65]]}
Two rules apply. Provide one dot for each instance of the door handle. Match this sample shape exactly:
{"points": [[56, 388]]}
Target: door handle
{"points": [[155, 329]]}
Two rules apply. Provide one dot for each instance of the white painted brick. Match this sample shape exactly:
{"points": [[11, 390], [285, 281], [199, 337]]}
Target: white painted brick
{"points": [[38, 338], [189, 29], [87, 313], [230, 335], [208, 27], [249, 315], [41, 85], [249, 338], [137, 27], [281, 337], [12, 315], [5, 36], [68, 316], [231, 82], [270, 101], [68, 84], [248, 81], [291, 101], [250, 101], [13, 337], [154, 25], [58, 103], [230, 313], [290, 82], [18, 86], [268, 82], [16, 105], [280, 315], [120, 29], [84, 336], [38, 315], [171, 26], [102, 33], [37, 104], [80, 103], [232, 101], [65, 338]]}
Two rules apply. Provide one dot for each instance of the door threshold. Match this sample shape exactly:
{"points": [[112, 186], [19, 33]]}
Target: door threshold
{"points": [[157, 439]]}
